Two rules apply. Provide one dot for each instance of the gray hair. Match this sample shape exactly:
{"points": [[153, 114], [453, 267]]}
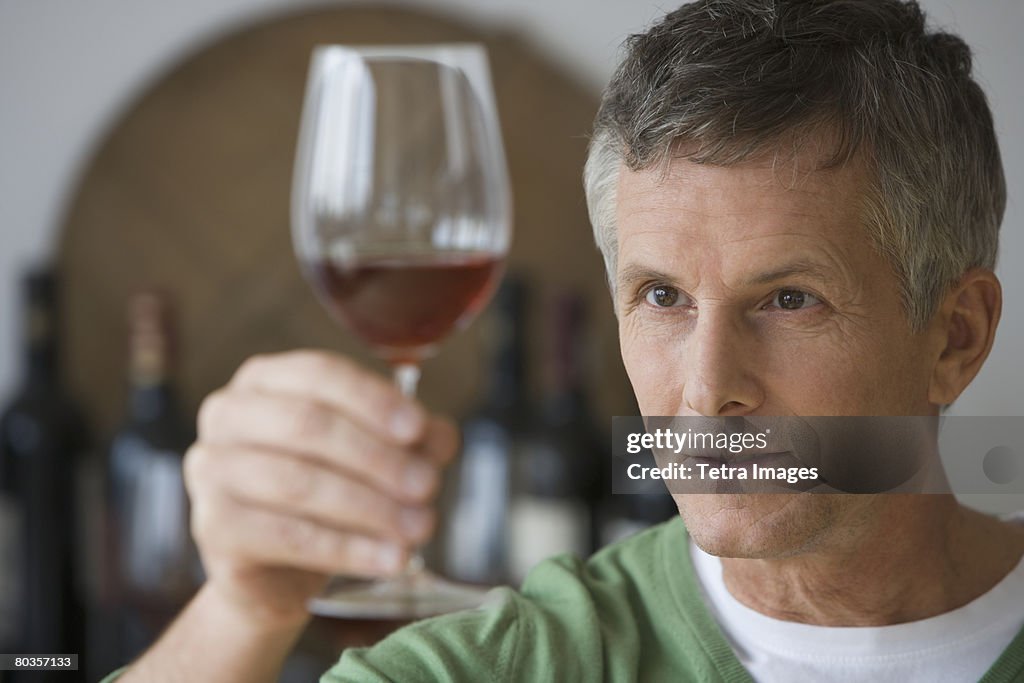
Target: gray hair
{"points": [[723, 81]]}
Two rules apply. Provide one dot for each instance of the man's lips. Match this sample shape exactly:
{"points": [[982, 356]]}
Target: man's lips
{"points": [[743, 460]]}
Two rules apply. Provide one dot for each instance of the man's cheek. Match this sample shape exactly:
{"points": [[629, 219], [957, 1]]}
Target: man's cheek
{"points": [[653, 374], [815, 374]]}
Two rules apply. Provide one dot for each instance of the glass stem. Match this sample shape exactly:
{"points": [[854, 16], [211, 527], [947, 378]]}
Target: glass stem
{"points": [[407, 377]]}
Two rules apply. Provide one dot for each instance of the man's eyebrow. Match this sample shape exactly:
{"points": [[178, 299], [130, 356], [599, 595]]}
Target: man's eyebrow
{"points": [[635, 272], [796, 268]]}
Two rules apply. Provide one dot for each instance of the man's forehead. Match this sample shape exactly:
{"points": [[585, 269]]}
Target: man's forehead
{"points": [[751, 185], [748, 200], [745, 222]]}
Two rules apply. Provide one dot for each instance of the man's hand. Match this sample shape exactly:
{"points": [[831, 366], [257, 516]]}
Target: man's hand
{"points": [[308, 465]]}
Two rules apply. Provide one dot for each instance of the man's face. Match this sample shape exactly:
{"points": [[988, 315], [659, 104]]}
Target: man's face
{"points": [[748, 290]]}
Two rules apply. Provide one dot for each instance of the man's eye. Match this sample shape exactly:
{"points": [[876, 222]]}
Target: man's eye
{"points": [[794, 299], [663, 297]]}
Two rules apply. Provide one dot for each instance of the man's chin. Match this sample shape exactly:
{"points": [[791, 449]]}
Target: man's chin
{"points": [[756, 525]]}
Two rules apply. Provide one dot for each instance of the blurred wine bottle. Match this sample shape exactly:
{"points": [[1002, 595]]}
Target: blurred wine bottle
{"points": [[475, 548], [41, 436], [558, 476], [155, 568]]}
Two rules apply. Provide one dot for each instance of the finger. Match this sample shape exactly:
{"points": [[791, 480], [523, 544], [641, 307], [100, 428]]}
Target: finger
{"points": [[370, 399], [300, 487], [441, 442], [315, 430], [229, 528]]}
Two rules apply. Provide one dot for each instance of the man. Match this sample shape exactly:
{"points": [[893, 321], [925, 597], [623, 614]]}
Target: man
{"points": [[798, 203]]}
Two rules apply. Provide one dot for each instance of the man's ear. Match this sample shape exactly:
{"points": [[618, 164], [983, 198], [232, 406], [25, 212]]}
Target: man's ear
{"points": [[968, 318]]}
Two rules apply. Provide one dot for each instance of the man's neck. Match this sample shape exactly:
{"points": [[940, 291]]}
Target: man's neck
{"points": [[921, 556]]}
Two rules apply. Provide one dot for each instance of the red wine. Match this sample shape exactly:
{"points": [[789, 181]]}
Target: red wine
{"points": [[403, 305]]}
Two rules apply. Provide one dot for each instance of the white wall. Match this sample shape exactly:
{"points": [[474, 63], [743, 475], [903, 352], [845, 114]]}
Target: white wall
{"points": [[68, 66]]}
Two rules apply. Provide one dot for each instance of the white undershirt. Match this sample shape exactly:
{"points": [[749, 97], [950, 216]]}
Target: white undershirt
{"points": [[957, 646]]}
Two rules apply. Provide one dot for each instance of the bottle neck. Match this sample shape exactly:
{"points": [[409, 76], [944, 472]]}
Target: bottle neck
{"points": [[151, 394], [507, 385], [566, 395], [40, 343], [566, 404], [150, 401], [41, 364]]}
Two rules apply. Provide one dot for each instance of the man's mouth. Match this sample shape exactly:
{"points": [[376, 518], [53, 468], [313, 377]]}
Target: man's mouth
{"points": [[742, 460]]}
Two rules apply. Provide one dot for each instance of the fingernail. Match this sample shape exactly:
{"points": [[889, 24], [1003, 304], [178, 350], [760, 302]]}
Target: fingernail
{"points": [[414, 523], [405, 422], [418, 478]]}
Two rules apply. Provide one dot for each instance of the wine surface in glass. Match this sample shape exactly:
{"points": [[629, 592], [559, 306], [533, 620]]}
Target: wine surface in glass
{"points": [[402, 306]]}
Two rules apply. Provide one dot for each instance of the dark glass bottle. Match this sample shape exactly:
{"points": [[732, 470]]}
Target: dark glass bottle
{"points": [[475, 548], [41, 436], [558, 477], [155, 559]]}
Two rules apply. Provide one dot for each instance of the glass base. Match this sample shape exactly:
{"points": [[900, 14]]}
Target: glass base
{"points": [[414, 595]]}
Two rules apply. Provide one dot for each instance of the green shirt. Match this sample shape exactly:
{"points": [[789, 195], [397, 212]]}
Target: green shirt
{"points": [[633, 612]]}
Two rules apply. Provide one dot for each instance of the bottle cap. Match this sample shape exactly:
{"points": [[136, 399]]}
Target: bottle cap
{"points": [[149, 316]]}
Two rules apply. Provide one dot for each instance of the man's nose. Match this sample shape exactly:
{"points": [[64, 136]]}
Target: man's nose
{"points": [[719, 360]]}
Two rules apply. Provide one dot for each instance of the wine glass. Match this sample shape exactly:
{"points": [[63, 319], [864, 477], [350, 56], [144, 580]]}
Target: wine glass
{"points": [[401, 220]]}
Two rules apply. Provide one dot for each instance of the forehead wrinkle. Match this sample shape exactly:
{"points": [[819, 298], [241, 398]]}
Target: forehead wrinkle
{"points": [[800, 267], [653, 212], [698, 189]]}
